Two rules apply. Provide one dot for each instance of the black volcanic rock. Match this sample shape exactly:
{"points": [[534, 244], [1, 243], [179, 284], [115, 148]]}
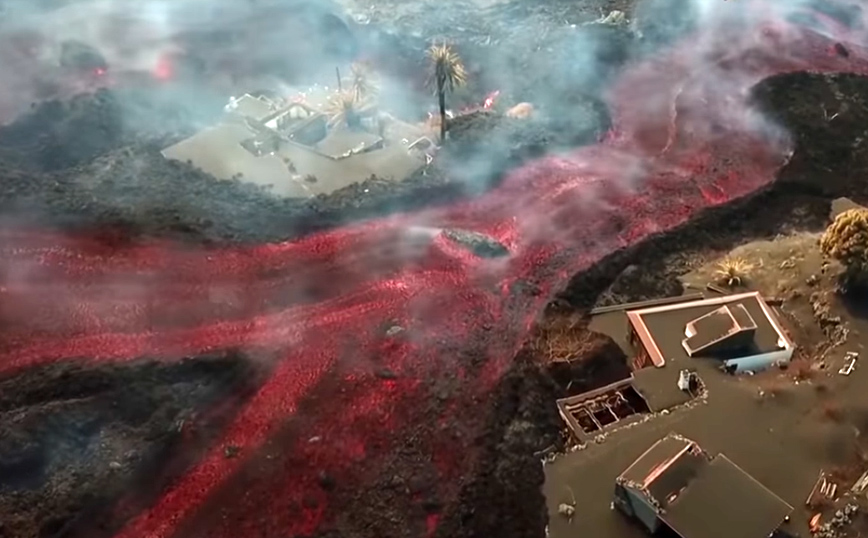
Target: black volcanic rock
{"points": [[480, 244]]}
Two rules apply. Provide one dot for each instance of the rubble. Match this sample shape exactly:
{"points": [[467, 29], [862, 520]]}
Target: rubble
{"points": [[834, 528]]}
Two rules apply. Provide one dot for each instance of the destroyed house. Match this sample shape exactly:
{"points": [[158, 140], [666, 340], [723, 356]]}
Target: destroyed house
{"points": [[677, 487], [741, 331], [298, 151]]}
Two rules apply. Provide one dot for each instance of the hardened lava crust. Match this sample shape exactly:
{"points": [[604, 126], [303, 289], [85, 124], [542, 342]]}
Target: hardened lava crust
{"points": [[182, 357]]}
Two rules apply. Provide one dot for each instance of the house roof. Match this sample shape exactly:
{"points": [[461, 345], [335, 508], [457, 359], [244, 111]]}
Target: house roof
{"points": [[662, 329], [218, 151], [696, 495], [724, 501], [343, 157], [666, 468], [663, 450], [725, 326]]}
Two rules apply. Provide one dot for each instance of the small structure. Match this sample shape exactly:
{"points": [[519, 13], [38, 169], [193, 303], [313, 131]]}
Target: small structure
{"points": [[742, 331], [294, 148], [591, 413], [675, 486]]}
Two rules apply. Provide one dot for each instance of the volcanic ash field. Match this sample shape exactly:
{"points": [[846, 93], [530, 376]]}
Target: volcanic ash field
{"points": [[183, 356]]}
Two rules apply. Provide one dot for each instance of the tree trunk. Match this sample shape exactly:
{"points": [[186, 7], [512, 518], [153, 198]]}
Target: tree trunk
{"points": [[441, 98]]}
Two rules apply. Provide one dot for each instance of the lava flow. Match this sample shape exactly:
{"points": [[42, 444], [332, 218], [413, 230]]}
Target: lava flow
{"points": [[317, 310]]}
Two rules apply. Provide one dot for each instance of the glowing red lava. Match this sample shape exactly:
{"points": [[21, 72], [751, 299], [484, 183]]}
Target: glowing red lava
{"points": [[683, 140]]}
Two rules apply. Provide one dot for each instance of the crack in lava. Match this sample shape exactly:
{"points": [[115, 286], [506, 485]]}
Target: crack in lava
{"points": [[684, 139]]}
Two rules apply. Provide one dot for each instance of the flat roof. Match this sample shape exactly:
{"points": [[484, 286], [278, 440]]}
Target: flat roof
{"points": [[659, 387], [218, 151], [723, 501], [661, 329], [343, 158], [774, 440], [657, 460]]}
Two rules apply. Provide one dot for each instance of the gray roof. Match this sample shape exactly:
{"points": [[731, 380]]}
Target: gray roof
{"points": [[723, 501], [664, 451], [666, 325], [292, 169]]}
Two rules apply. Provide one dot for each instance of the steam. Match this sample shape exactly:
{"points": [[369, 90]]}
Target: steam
{"points": [[559, 63]]}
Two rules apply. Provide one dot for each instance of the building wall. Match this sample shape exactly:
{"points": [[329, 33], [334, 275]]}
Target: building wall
{"points": [[758, 363], [643, 511]]}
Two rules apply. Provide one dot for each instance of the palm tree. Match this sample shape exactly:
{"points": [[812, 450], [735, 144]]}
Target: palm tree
{"points": [[447, 72], [345, 107], [363, 81]]}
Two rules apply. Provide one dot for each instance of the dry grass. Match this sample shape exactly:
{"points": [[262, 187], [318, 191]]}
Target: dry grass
{"points": [[733, 271], [560, 339]]}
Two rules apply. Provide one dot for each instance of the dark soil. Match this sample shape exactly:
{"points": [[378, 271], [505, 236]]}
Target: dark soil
{"points": [[80, 439]]}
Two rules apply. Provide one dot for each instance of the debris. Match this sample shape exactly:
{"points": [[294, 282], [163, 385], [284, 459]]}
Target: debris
{"points": [[386, 374], [828, 489], [566, 509], [848, 368], [394, 330], [716, 288], [521, 111], [860, 484], [231, 451], [831, 528], [814, 524], [114, 465], [614, 18], [818, 485], [687, 380]]}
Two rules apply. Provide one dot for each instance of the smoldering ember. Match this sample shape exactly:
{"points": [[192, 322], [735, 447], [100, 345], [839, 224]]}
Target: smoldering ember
{"points": [[388, 269]]}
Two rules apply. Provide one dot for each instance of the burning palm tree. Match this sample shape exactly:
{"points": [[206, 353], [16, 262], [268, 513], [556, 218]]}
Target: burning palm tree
{"points": [[345, 107], [364, 83], [447, 72]]}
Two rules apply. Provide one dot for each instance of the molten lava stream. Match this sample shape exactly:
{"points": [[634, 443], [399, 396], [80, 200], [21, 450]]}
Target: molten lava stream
{"points": [[72, 300], [354, 409], [381, 300]]}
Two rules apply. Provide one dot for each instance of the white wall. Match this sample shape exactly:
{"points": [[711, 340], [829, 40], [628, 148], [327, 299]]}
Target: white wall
{"points": [[757, 363]]}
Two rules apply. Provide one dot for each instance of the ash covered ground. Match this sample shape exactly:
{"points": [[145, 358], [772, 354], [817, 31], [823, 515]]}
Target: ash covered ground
{"points": [[184, 357]]}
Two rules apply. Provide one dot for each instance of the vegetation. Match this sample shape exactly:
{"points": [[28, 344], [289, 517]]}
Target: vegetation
{"points": [[363, 82], [447, 72], [344, 107], [846, 240], [733, 271]]}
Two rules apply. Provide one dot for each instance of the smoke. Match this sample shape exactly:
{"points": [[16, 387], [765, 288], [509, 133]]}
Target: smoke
{"points": [[690, 68], [208, 46], [682, 98]]}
